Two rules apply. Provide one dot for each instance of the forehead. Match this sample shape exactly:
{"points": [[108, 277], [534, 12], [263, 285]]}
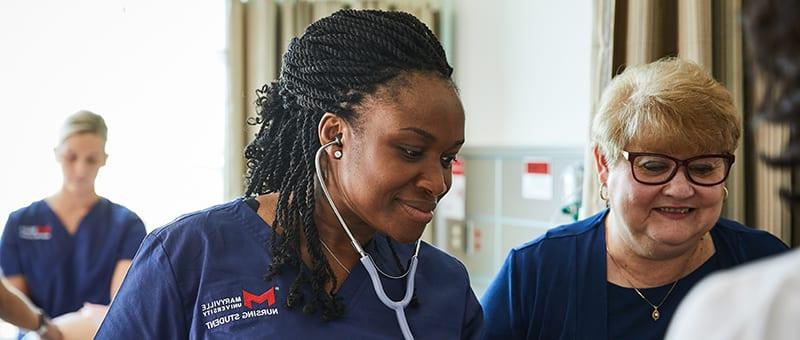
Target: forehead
{"points": [[83, 143], [678, 148], [670, 136], [419, 101]]}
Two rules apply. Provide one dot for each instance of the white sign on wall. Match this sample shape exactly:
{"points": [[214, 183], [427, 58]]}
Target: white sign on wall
{"points": [[453, 205], [537, 179]]}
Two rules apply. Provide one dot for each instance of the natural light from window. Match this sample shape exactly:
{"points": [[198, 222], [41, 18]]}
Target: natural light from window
{"points": [[156, 70]]}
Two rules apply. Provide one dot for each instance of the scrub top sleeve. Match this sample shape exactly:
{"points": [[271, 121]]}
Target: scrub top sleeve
{"points": [[498, 303], [9, 249], [149, 304], [134, 234], [473, 317]]}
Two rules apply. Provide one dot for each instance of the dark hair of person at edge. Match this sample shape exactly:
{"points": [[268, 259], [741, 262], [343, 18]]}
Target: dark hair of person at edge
{"points": [[772, 31], [332, 68]]}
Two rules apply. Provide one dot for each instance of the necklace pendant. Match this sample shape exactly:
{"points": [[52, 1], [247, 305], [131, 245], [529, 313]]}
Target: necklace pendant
{"points": [[656, 314]]}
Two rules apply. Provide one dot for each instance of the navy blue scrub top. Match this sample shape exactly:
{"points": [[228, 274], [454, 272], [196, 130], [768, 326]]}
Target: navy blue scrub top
{"points": [[63, 271], [555, 287], [202, 277]]}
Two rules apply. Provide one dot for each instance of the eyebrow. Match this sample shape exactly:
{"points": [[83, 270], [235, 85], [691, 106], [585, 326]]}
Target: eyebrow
{"points": [[427, 135]]}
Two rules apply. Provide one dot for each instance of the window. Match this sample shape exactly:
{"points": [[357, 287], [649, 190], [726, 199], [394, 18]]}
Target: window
{"points": [[156, 70]]}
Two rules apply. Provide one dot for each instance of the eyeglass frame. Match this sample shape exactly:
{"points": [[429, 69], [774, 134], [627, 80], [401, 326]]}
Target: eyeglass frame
{"points": [[631, 156]]}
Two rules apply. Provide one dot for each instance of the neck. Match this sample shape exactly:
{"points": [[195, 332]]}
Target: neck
{"points": [[74, 199], [336, 245], [331, 231], [631, 266]]}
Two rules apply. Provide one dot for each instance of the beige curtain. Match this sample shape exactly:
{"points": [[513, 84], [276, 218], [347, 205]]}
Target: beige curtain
{"points": [[771, 212], [601, 68], [631, 32], [259, 31]]}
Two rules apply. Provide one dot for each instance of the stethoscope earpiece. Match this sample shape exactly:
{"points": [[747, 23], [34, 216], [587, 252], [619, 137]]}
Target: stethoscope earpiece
{"points": [[372, 269]]}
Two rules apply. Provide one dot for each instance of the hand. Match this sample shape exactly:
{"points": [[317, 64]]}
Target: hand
{"points": [[82, 323], [53, 333], [94, 311]]}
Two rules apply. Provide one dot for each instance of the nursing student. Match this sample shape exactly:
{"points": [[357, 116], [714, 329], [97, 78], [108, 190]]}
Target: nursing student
{"points": [[355, 147], [72, 248]]}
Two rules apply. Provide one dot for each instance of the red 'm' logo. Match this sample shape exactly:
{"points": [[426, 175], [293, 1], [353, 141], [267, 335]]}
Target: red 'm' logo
{"points": [[249, 298]]}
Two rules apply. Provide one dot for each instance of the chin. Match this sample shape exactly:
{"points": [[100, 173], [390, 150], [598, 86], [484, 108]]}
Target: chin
{"points": [[672, 238], [406, 235]]}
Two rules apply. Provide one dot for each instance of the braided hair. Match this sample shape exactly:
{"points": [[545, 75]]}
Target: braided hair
{"points": [[337, 62], [774, 38]]}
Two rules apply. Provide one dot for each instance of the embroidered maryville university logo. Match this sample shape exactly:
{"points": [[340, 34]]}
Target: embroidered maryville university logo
{"points": [[35, 232], [249, 298], [245, 306]]}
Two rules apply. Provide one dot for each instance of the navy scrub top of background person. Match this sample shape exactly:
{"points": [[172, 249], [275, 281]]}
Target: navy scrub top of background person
{"points": [[203, 277], [63, 271], [555, 287]]}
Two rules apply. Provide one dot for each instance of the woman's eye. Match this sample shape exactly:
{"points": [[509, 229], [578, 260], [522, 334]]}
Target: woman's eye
{"points": [[411, 154], [701, 169], [447, 161], [654, 167]]}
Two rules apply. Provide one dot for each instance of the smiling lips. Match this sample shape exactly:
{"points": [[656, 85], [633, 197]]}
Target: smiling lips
{"points": [[674, 212], [419, 211]]}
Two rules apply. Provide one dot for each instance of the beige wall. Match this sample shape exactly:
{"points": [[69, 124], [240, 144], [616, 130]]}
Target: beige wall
{"points": [[523, 70]]}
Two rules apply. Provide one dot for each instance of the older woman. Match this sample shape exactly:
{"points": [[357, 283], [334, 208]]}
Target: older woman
{"points": [[664, 141]]}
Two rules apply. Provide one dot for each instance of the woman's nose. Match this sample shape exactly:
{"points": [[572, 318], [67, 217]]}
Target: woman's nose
{"points": [[679, 186], [432, 180]]}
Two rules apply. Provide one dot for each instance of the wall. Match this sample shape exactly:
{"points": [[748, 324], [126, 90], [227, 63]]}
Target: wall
{"points": [[523, 70]]}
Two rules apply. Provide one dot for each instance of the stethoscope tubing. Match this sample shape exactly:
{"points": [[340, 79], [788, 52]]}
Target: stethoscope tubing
{"points": [[366, 260]]}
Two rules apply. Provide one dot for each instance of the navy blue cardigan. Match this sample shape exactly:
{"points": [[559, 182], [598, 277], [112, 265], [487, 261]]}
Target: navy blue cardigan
{"points": [[554, 287]]}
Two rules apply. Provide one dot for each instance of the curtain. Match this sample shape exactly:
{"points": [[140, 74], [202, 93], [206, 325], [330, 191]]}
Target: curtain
{"points": [[259, 33], [632, 32], [601, 68]]}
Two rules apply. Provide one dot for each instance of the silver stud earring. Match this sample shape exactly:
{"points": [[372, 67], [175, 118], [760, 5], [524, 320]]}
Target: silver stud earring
{"points": [[337, 154]]}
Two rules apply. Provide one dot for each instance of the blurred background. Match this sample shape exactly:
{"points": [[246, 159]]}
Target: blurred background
{"points": [[176, 81]]}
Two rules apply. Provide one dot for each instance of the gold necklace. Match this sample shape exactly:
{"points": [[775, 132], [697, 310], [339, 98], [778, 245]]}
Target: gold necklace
{"points": [[655, 314], [334, 256]]}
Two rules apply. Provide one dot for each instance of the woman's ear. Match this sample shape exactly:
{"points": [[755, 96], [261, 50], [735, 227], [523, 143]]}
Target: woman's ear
{"points": [[601, 164], [332, 126]]}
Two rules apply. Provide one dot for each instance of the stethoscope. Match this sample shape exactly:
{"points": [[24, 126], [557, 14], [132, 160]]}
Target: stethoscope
{"points": [[369, 264]]}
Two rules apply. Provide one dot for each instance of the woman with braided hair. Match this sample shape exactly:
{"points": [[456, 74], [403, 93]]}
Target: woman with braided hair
{"points": [[356, 141]]}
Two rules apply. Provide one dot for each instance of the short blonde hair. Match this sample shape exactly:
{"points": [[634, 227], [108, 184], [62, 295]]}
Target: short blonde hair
{"points": [[84, 122], [671, 102]]}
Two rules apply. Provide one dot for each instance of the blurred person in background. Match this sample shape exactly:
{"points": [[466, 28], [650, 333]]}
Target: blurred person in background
{"points": [[73, 248], [664, 138], [760, 301]]}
